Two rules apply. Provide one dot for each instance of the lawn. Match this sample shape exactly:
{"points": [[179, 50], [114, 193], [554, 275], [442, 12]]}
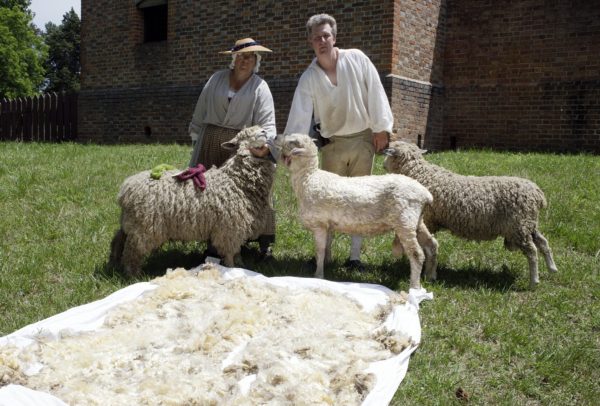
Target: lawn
{"points": [[486, 336]]}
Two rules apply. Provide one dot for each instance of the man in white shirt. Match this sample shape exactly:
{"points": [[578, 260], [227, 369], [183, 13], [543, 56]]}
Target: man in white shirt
{"points": [[341, 90]]}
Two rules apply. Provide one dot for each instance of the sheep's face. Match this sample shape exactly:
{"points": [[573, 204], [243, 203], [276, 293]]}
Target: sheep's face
{"points": [[251, 137], [295, 146], [399, 153]]}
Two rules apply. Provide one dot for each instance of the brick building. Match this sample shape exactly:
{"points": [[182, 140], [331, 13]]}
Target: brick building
{"points": [[522, 74]]}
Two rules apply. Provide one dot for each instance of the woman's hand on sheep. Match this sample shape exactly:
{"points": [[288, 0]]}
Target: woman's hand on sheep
{"points": [[261, 152], [380, 140]]}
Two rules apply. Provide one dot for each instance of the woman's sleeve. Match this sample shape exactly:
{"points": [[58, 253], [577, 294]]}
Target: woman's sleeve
{"points": [[197, 124], [264, 115], [264, 110]]}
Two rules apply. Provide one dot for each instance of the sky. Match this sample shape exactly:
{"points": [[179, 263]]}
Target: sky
{"points": [[52, 10]]}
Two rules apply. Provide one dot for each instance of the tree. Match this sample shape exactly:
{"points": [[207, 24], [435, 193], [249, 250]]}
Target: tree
{"points": [[22, 52], [22, 4], [63, 66]]}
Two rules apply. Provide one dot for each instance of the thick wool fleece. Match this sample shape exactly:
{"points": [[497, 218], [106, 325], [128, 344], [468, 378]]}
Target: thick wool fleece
{"points": [[363, 205], [228, 212], [477, 207]]}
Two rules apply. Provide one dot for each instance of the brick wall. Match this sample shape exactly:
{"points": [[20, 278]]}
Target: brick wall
{"points": [[415, 84], [523, 74], [505, 74], [128, 86]]}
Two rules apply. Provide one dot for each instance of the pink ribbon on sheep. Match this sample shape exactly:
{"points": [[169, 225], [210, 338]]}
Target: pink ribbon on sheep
{"points": [[196, 174]]}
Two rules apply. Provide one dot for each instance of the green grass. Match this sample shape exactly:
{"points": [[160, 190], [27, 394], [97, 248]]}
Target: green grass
{"points": [[485, 332]]}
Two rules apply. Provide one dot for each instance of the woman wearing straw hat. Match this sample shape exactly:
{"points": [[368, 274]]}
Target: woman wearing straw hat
{"points": [[232, 99]]}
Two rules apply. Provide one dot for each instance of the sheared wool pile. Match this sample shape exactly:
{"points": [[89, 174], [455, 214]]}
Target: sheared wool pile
{"points": [[199, 339]]}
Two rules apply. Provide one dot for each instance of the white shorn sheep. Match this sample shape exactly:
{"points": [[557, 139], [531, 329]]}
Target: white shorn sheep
{"points": [[364, 205], [229, 212], [478, 207]]}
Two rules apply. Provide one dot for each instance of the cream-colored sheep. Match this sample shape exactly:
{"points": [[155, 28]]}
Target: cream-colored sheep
{"points": [[364, 205], [478, 207], [228, 212]]}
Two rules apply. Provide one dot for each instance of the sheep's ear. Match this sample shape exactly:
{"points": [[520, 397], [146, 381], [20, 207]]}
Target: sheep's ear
{"points": [[229, 145], [298, 151], [423, 151]]}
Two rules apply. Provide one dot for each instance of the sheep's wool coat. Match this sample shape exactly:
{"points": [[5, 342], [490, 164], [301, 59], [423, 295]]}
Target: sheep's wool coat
{"points": [[229, 212], [472, 207], [478, 207], [196, 336], [363, 205]]}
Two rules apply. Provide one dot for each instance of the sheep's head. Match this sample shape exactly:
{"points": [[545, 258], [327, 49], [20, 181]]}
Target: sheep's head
{"points": [[296, 146], [399, 153], [250, 137]]}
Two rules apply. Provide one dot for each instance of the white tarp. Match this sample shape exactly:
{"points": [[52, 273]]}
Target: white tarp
{"points": [[89, 317]]}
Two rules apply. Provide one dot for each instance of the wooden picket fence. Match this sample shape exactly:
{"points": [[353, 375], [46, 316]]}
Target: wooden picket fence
{"points": [[49, 117]]}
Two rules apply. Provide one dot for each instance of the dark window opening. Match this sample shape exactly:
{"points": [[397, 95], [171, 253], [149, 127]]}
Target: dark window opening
{"points": [[155, 23]]}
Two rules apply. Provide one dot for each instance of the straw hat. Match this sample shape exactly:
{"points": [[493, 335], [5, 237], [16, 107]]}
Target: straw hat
{"points": [[246, 45]]}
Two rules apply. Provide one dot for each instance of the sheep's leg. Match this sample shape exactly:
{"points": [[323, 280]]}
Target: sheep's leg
{"points": [[415, 255], [430, 248], [228, 249], [228, 260], [542, 244], [530, 252], [328, 246], [320, 235], [238, 260], [116, 248], [133, 256], [397, 249]]}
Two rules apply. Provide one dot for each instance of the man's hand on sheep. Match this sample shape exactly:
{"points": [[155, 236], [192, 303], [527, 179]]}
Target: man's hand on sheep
{"points": [[380, 140]]}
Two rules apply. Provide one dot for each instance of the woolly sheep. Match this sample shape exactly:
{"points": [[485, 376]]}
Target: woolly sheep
{"points": [[478, 207], [364, 205], [228, 212]]}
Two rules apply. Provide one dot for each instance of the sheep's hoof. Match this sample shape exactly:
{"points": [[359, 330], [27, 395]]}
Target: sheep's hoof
{"points": [[238, 261], [355, 265], [431, 277], [132, 272]]}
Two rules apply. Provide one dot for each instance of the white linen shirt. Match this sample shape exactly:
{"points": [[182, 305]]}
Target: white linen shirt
{"points": [[357, 102], [251, 105]]}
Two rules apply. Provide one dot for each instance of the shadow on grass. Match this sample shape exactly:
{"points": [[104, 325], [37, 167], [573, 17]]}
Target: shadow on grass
{"points": [[156, 264], [177, 257], [392, 274], [475, 278]]}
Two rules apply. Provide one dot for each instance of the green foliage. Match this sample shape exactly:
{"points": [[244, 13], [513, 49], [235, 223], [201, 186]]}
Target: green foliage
{"points": [[23, 5], [484, 332], [63, 67], [22, 53]]}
